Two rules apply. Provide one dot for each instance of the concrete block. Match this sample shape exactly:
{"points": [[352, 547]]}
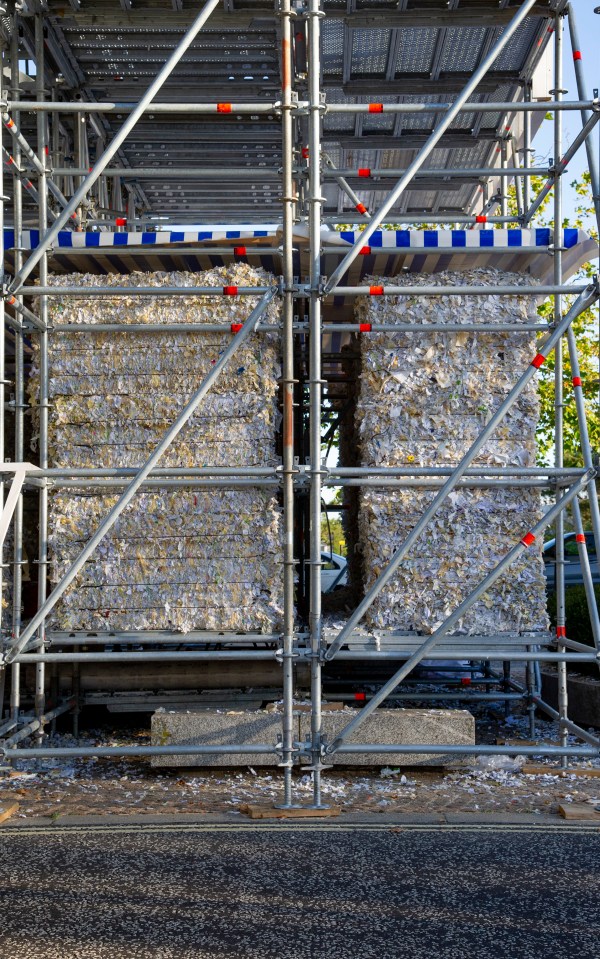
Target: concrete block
{"points": [[206, 726], [182, 727], [415, 726]]}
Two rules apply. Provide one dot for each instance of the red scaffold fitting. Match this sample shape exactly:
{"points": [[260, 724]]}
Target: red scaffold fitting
{"points": [[375, 291], [465, 681], [365, 327], [528, 539], [10, 160], [375, 107], [481, 219], [361, 208], [576, 381], [9, 124], [11, 299], [223, 107], [561, 632], [579, 538], [230, 290], [538, 360], [239, 251], [305, 153], [236, 327], [365, 250], [364, 171], [577, 55], [360, 697], [121, 221]]}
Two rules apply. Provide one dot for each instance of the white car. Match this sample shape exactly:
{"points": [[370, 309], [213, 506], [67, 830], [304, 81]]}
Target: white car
{"points": [[334, 571]]}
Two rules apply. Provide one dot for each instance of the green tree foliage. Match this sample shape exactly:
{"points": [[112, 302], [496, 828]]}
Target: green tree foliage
{"points": [[586, 333]]}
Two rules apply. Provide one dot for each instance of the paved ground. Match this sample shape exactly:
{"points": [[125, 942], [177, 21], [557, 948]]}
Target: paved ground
{"points": [[370, 889]]}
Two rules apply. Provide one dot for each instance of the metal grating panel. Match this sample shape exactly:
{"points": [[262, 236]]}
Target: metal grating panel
{"points": [[415, 50], [370, 51], [461, 49]]}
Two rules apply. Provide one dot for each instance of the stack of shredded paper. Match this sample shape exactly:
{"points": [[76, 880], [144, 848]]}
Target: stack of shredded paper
{"points": [[184, 558], [424, 397]]}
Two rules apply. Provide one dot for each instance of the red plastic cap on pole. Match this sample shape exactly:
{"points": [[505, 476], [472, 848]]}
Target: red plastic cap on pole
{"points": [[364, 171], [375, 291], [121, 221], [579, 538], [223, 107], [538, 360], [236, 327], [230, 290], [481, 219], [239, 251], [361, 208], [577, 55], [375, 107], [364, 327], [365, 250], [360, 697], [561, 631], [528, 539], [576, 381]]}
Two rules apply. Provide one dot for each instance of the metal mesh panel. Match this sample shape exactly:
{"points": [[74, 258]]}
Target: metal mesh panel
{"points": [[370, 51], [415, 50], [461, 49], [332, 47], [515, 53]]}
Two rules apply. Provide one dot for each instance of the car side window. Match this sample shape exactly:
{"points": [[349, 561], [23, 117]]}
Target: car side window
{"points": [[591, 545], [328, 564]]}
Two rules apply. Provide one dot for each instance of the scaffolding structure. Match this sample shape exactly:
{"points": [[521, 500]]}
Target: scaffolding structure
{"points": [[454, 89]]}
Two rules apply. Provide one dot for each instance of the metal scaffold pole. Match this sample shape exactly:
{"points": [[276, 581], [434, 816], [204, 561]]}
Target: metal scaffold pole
{"points": [[558, 382], [314, 199], [40, 669], [287, 755]]}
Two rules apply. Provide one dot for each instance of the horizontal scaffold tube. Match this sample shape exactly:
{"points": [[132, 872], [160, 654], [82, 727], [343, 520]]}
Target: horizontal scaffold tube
{"points": [[108, 752], [109, 106], [151, 656], [92, 291], [480, 750], [425, 290]]}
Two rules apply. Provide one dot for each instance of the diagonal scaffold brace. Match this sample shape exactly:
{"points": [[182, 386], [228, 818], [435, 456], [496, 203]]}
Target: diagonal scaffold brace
{"points": [[65, 215], [582, 303], [527, 540], [429, 146]]}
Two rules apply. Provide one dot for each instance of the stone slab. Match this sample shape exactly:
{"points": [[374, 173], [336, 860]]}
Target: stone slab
{"points": [[402, 726], [190, 727], [244, 727]]}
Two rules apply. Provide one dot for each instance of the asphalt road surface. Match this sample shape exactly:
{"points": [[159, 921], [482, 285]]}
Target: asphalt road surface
{"points": [[299, 892]]}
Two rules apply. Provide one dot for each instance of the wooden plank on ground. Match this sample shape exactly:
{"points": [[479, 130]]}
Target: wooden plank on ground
{"points": [[580, 812], [270, 812], [7, 809], [530, 769]]}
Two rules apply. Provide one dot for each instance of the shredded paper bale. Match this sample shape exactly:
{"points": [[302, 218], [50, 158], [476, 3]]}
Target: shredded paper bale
{"points": [[180, 558], [423, 400]]}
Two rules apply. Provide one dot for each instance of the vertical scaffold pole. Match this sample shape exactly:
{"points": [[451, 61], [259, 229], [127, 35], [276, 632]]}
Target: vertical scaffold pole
{"points": [[592, 157], [40, 668], [558, 383], [288, 402], [19, 381], [2, 337], [314, 218]]}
